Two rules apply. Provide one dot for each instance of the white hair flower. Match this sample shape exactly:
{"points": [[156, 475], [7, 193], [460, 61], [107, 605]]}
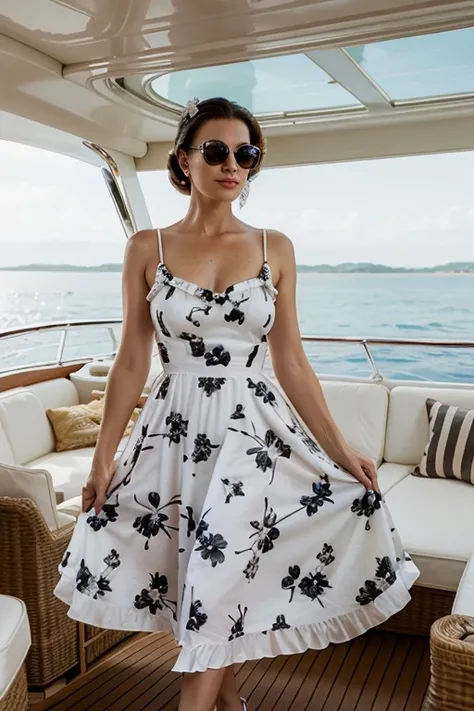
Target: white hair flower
{"points": [[191, 108]]}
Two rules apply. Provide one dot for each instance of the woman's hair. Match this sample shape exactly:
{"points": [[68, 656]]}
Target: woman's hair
{"points": [[207, 110]]}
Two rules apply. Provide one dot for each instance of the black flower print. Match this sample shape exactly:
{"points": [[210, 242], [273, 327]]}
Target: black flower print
{"points": [[203, 525], [211, 547], [268, 450], [163, 352], [197, 617], [385, 576], [196, 343], [269, 318], [189, 517], [238, 413], [310, 443], [196, 309], [177, 428], [164, 330], [367, 506], [252, 356], [137, 450], [237, 629], [236, 314], [266, 532], [315, 583], [65, 559], [202, 448], [261, 390], [163, 389], [218, 356], [321, 493], [154, 598], [108, 514], [289, 582], [211, 385], [94, 586], [205, 294], [233, 488], [155, 521], [280, 624]]}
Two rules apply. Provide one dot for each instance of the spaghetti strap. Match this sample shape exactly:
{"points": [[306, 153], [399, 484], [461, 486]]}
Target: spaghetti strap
{"points": [[264, 245], [160, 245]]}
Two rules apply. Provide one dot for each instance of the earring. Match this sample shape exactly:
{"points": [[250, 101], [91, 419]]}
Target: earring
{"points": [[244, 194]]}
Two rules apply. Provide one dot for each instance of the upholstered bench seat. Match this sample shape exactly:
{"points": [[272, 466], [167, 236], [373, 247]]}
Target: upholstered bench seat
{"points": [[15, 640]]}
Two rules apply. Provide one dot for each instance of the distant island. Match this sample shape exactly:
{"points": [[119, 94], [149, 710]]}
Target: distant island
{"points": [[344, 268]]}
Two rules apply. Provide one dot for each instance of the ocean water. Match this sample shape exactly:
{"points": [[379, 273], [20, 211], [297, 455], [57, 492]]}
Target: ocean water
{"points": [[414, 306]]}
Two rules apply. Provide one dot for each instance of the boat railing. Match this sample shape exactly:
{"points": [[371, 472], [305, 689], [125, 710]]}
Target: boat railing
{"points": [[75, 341]]}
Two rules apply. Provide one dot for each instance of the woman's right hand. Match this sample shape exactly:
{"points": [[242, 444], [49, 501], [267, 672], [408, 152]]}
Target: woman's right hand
{"points": [[93, 493]]}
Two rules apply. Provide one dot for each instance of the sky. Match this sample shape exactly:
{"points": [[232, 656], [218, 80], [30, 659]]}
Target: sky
{"points": [[411, 212]]}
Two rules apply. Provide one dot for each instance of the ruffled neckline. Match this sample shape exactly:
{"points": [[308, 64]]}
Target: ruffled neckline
{"points": [[166, 278]]}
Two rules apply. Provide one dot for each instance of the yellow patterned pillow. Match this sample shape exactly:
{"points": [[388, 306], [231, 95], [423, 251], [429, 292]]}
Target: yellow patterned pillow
{"points": [[78, 426]]}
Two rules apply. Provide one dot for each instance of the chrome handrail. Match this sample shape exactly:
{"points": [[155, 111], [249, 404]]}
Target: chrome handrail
{"points": [[65, 326]]}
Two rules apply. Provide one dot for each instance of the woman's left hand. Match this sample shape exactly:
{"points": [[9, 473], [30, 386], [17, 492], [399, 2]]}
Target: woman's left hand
{"points": [[360, 466]]}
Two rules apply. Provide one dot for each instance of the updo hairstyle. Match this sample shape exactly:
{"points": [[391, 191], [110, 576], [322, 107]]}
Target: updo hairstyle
{"points": [[217, 108]]}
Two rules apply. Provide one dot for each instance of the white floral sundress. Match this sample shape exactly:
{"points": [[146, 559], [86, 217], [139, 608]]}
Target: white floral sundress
{"points": [[225, 522]]}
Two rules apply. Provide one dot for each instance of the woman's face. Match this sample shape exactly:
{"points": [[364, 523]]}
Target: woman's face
{"points": [[223, 182]]}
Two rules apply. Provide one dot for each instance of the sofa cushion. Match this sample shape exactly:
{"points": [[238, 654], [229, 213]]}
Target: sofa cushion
{"points": [[26, 426], [6, 452], [389, 475], [35, 484], [360, 412], [69, 470], [407, 425], [15, 640], [59, 392], [464, 600], [435, 520], [450, 451]]}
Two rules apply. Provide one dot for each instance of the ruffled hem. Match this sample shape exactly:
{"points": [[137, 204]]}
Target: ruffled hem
{"points": [[298, 639], [199, 657]]}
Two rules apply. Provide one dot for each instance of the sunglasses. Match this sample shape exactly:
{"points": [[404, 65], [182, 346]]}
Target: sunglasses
{"points": [[216, 152]]}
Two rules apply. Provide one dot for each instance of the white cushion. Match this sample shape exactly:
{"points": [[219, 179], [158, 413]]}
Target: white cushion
{"points": [[59, 392], [360, 412], [15, 640], [24, 420], [69, 470], [71, 507], [435, 519], [407, 426], [6, 452], [389, 475], [464, 600], [35, 484]]}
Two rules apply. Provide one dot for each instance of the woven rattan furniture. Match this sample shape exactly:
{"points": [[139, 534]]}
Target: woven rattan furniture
{"points": [[452, 665], [14, 644], [30, 555]]}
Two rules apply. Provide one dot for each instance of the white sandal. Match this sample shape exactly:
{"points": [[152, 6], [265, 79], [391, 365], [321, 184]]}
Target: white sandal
{"points": [[244, 704]]}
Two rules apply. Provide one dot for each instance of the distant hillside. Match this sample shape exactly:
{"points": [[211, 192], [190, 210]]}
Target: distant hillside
{"points": [[344, 268]]}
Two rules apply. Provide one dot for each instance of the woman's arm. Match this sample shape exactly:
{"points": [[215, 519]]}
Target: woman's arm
{"points": [[131, 366], [292, 368]]}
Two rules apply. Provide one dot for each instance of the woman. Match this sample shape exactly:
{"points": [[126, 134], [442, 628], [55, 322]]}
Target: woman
{"points": [[237, 516]]}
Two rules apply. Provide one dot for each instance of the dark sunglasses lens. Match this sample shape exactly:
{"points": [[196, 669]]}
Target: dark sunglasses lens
{"points": [[215, 152], [247, 156]]}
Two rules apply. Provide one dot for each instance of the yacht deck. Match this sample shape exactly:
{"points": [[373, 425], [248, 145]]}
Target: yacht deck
{"points": [[379, 671]]}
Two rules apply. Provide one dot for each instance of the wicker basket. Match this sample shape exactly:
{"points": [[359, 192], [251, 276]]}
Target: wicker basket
{"points": [[29, 563], [452, 665], [425, 607], [17, 697]]}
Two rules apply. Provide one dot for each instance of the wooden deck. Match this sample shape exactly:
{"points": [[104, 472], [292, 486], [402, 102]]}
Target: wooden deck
{"points": [[376, 672]]}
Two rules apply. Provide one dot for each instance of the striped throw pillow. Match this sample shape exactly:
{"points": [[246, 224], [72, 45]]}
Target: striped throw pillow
{"points": [[449, 453]]}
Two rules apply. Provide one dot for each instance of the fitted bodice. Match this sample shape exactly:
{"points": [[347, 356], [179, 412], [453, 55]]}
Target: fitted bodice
{"points": [[198, 330]]}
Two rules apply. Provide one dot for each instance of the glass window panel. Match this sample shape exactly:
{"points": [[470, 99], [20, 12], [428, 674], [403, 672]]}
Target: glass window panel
{"points": [[420, 67], [276, 84]]}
